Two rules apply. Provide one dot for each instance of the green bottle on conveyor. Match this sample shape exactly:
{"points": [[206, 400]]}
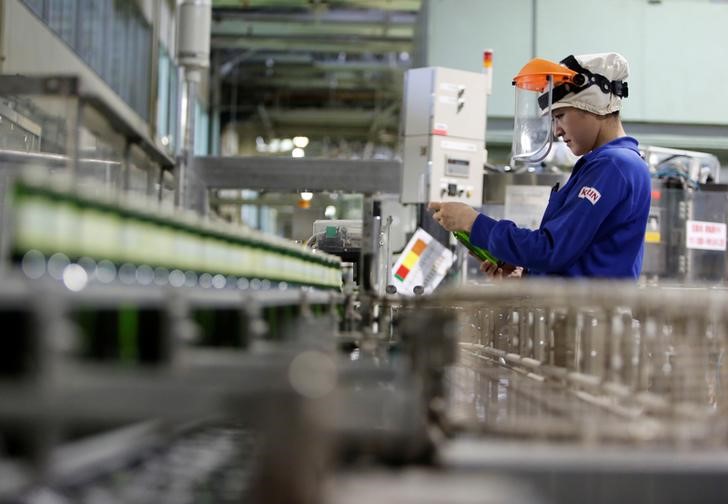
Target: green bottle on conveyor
{"points": [[482, 254]]}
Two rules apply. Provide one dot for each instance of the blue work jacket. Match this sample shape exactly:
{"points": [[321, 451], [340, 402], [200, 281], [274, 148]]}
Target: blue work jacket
{"points": [[594, 226]]}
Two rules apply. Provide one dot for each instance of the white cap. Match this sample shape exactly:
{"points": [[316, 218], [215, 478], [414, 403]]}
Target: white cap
{"points": [[614, 67]]}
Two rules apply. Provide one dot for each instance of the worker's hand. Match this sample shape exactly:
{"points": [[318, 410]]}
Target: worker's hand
{"points": [[453, 216], [503, 271]]}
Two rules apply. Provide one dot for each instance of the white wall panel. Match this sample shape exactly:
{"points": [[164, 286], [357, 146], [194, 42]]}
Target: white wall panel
{"points": [[584, 26], [676, 48], [686, 68], [459, 30]]}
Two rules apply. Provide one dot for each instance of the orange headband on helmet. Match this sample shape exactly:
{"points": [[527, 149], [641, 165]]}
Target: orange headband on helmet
{"points": [[534, 76]]}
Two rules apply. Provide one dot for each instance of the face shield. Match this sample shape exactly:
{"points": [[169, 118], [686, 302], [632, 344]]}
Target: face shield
{"points": [[533, 127]]}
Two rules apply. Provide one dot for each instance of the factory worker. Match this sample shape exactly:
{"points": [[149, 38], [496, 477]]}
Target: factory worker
{"points": [[593, 226]]}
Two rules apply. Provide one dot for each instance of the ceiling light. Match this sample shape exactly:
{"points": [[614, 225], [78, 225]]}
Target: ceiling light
{"points": [[286, 145], [300, 141], [306, 196]]}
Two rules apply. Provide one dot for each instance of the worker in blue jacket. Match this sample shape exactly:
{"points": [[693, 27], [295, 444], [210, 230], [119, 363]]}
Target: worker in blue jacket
{"points": [[593, 226]]}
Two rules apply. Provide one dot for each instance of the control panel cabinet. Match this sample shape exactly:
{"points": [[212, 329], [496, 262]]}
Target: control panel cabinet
{"points": [[444, 135]]}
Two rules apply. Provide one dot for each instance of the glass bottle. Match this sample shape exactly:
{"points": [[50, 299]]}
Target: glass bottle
{"points": [[479, 252]]}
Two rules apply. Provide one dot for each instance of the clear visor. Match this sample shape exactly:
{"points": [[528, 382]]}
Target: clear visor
{"points": [[532, 127]]}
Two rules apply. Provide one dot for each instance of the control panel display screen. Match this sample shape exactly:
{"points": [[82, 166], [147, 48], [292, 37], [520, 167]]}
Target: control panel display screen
{"points": [[457, 167]]}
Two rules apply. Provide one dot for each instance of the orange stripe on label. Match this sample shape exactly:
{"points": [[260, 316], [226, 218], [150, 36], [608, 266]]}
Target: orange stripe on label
{"points": [[418, 247]]}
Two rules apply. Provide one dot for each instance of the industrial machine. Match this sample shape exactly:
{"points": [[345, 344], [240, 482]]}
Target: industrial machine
{"points": [[129, 324], [686, 230], [597, 392], [444, 135], [151, 354], [519, 197]]}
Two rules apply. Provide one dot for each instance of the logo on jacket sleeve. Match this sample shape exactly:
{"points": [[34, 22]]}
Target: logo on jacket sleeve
{"points": [[590, 194]]}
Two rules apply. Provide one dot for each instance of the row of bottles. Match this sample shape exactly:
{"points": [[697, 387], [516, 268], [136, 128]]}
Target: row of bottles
{"points": [[53, 217], [677, 354]]}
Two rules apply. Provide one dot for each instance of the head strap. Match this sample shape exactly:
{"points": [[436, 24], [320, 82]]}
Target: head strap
{"points": [[582, 80]]}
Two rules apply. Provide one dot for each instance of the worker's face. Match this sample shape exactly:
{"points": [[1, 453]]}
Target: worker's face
{"points": [[579, 129]]}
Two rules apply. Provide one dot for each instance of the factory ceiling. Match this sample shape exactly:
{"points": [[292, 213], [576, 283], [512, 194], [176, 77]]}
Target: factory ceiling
{"points": [[329, 70]]}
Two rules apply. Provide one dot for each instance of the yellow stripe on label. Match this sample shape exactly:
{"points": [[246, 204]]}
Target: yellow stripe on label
{"points": [[410, 260], [652, 237]]}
